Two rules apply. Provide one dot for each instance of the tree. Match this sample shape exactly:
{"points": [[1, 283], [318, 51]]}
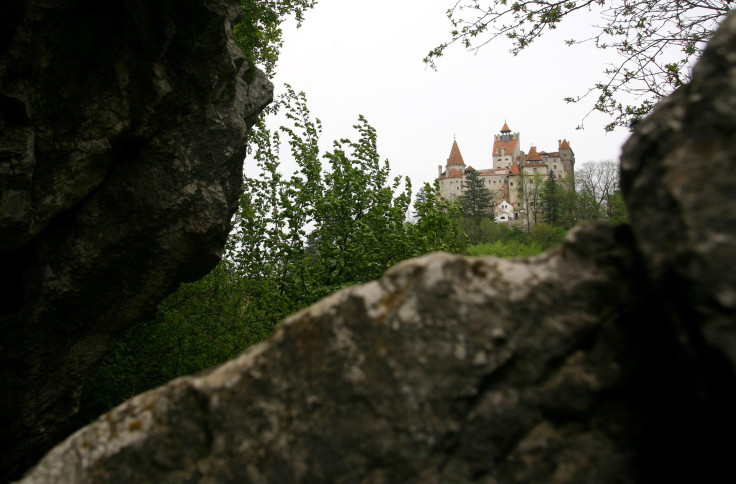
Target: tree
{"points": [[656, 42], [437, 225], [550, 201], [420, 201], [596, 183], [476, 200], [337, 220], [259, 34], [530, 193]]}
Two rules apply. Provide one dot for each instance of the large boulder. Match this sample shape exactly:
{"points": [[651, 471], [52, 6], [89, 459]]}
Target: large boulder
{"points": [[445, 370], [122, 136]]}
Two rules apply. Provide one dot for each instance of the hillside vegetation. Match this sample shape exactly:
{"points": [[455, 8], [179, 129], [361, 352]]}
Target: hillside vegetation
{"points": [[338, 220]]}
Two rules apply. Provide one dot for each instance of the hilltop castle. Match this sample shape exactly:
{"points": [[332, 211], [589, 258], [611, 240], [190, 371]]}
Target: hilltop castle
{"points": [[511, 167]]}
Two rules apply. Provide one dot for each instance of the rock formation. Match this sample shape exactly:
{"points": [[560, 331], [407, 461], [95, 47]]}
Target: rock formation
{"points": [[122, 137], [445, 370], [609, 359]]}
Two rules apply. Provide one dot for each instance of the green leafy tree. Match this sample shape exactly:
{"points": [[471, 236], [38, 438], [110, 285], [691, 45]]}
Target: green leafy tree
{"points": [[437, 225], [259, 33], [656, 42], [567, 201], [200, 325], [550, 201], [338, 220], [419, 200], [476, 200], [616, 207]]}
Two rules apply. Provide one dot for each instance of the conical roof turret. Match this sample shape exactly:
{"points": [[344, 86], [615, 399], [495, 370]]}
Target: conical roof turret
{"points": [[455, 157], [505, 128]]}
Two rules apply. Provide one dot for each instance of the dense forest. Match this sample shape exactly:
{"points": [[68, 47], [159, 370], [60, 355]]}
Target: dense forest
{"points": [[339, 219]]}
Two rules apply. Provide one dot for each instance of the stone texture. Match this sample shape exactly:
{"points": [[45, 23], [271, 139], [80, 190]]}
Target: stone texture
{"points": [[677, 174], [680, 185], [122, 137], [445, 370]]}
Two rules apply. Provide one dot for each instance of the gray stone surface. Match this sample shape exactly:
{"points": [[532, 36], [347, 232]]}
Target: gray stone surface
{"points": [[678, 178], [122, 138], [445, 370]]}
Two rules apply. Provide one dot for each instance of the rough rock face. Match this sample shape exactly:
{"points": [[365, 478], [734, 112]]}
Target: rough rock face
{"points": [[607, 360], [677, 173], [122, 136], [445, 370]]}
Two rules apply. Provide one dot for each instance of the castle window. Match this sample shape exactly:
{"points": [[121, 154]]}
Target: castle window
{"points": [[554, 166]]}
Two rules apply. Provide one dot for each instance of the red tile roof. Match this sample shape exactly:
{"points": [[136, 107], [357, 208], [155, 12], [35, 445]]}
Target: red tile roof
{"points": [[514, 169], [564, 145], [455, 157], [510, 146], [454, 173], [533, 155], [505, 128]]}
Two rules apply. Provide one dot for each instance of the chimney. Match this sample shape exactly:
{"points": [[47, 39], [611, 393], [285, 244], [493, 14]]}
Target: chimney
{"points": [[439, 171], [559, 142]]}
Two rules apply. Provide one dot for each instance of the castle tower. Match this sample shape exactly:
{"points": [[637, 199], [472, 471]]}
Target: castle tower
{"points": [[455, 159], [505, 148], [567, 157], [451, 180]]}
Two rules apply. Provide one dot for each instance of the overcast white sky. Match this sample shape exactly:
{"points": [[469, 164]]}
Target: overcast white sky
{"points": [[365, 57]]}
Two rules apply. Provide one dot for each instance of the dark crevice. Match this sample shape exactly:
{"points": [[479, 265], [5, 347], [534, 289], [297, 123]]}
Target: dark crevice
{"points": [[11, 13], [14, 264]]}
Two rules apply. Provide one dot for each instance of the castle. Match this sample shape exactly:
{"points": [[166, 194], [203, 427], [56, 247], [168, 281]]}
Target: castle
{"points": [[511, 168]]}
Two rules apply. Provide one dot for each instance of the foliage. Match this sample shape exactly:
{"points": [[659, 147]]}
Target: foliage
{"points": [[551, 201], [476, 200], [259, 34], [504, 248], [547, 236], [596, 195], [517, 244], [337, 221], [485, 230], [656, 42], [616, 208], [530, 195], [356, 214], [438, 222], [200, 325], [598, 185]]}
